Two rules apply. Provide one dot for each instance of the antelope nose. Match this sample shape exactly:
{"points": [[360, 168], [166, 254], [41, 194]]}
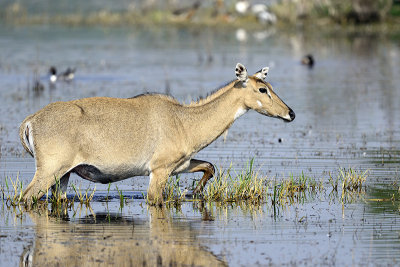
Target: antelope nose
{"points": [[291, 114]]}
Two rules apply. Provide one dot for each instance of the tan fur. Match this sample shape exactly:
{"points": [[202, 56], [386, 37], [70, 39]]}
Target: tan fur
{"points": [[113, 240], [211, 97], [110, 139]]}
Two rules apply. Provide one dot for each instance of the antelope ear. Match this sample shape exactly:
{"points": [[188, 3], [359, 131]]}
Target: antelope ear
{"points": [[262, 74], [241, 73]]}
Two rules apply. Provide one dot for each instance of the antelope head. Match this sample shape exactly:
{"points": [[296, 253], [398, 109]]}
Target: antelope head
{"points": [[259, 95]]}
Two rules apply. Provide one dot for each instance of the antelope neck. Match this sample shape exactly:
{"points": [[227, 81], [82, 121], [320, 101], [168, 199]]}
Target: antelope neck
{"points": [[206, 121]]}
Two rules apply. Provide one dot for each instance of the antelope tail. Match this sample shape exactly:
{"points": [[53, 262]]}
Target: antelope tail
{"points": [[26, 136]]}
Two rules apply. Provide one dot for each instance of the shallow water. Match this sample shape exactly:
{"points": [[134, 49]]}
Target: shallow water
{"points": [[347, 115]]}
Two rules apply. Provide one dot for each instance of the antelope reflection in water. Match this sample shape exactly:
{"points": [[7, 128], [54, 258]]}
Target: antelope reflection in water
{"points": [[106, 239]]}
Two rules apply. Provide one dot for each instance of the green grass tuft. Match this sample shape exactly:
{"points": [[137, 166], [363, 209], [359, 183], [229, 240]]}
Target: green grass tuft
{"points": [[352, 180]]}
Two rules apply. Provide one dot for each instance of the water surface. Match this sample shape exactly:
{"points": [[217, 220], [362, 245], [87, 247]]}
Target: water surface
{"points": [[347, 115]]}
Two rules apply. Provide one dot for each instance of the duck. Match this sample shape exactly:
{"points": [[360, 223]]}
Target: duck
{"points": [[53, 74], [68, 75], [308, 60]]}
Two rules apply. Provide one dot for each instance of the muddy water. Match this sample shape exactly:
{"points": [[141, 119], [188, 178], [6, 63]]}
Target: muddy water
{"points": [[347, 115]]}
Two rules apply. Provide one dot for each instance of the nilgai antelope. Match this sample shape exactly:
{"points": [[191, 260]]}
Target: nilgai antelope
{"points": [[106, 139]]}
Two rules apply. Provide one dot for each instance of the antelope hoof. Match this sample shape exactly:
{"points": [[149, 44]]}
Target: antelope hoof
{"points": [[198, 190], [154, 201]]}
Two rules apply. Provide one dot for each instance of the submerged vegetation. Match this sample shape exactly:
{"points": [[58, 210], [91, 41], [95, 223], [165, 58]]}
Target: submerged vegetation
{"points": [[352, 180], [83, 198], [246, 186], [250, 187], [12, 191]]}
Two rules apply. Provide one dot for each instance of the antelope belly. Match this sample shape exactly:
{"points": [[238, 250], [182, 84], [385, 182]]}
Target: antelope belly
{"points": [[107, 175]]}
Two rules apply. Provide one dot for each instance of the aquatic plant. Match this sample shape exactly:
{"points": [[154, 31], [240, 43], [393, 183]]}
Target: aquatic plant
{"points": [[3, 193], [108, 191], [244, 186], [316, 185], [247, 185], [228, 187], [351, 179], [334, 182], [173, 192], [217, 188], [122, 199], [16, 193], [83, 198], [294, 189], [352, 183], [57, 196]]}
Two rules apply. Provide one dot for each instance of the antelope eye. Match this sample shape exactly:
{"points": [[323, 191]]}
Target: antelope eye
{"points": [[262, 90]]}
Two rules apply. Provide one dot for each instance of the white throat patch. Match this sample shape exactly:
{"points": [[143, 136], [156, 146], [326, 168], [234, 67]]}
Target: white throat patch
{"points": [[239, 113]]}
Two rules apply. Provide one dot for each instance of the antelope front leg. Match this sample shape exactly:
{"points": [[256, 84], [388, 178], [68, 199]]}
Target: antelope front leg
{"points": [[201, 166], [158, 180]]}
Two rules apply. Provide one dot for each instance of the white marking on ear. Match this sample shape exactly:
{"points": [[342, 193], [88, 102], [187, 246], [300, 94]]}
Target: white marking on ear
{"points": [[262, 74], [239, 113], [259, 103], [241, 73]]}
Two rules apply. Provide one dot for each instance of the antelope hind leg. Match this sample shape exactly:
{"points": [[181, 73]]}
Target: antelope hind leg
{"points": [[61, 187], [201, 166], [41, 183]]}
